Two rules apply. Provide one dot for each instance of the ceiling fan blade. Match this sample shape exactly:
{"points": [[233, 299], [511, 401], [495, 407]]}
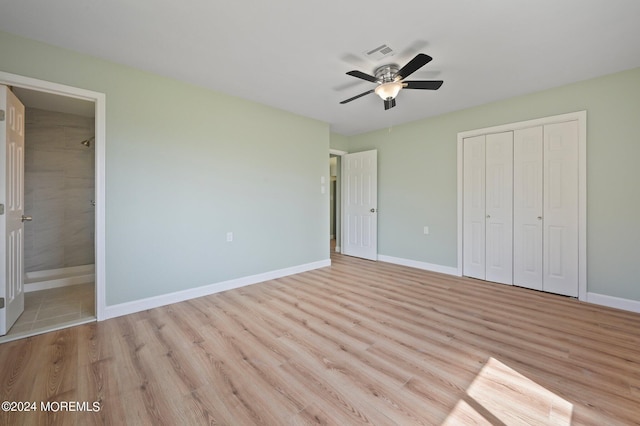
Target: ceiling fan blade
{"points": [[360, 74], [357, 96], [414, 65], [389, 103], [423, 84]]}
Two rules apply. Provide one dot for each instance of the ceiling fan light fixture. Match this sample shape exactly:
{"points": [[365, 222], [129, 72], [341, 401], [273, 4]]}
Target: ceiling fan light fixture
{"points": [[390, 79], [388, 90]]}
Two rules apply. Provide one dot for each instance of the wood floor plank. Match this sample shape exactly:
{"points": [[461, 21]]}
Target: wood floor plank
{"points": [[359, 342]]}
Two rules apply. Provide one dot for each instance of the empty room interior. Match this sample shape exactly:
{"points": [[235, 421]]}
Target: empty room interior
{"points": [[342, 213]]}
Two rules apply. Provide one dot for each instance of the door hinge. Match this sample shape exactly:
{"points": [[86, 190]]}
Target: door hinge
{"points": [[1, 115], [1, 209], [1, 302]]}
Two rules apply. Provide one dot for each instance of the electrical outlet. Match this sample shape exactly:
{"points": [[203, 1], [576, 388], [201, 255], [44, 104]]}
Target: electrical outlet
{"points": [[229, 237], [426, 230]]}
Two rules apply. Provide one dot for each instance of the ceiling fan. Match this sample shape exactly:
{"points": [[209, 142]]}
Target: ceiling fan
{"points": [[390, 80]]}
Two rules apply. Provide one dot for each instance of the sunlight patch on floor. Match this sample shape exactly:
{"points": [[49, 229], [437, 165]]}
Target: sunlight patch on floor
{"points": [[499, 394]]}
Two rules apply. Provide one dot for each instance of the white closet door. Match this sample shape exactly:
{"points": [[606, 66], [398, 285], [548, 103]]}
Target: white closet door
{"points": [[499, 207], [527, 207], [474, 207], [560, 217]]}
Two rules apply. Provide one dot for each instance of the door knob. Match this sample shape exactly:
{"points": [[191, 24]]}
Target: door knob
{"points": [[26, 218], [372, 210], [488, 216], [539, 217]]}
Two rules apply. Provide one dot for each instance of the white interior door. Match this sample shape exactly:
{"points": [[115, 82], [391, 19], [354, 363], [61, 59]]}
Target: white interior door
{"points": [[360, 204], [474, 207], [11, 199], [527, 207], [560, 217], [499, 207]]}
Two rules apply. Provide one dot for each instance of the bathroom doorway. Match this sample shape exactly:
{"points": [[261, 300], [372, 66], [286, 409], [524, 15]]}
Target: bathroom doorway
{"points": [[335, 199], [63, 243]]}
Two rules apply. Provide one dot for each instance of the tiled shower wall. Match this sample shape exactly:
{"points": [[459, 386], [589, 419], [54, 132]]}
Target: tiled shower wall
{"points": [[59, 187]]}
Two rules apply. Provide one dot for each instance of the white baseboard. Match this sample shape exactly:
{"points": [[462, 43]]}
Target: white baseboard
{"points": [[614, 302], [62, 277], [180, 296], [449, 270]]}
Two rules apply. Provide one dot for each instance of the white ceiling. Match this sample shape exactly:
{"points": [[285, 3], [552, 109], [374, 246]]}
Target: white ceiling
{"points": [[293, 55]]}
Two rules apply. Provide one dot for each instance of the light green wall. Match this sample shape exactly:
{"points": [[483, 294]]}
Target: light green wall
{"points": [[417, 177], [339, 142], [184, 165]]}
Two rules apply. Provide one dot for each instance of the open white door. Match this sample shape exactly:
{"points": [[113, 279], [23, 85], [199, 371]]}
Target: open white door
{"points": [[11, 208], [360, 204]]}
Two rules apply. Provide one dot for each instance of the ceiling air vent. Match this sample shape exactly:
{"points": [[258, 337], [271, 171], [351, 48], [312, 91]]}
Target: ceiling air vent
{"points": [[379, 52]]}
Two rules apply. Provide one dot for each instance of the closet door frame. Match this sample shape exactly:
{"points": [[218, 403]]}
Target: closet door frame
{"points": [[581, 118]]}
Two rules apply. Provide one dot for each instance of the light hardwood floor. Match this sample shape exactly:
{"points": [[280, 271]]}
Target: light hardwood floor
{"points": [[359, 342]]}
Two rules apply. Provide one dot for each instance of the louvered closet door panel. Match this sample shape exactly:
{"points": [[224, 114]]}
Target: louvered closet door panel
{"points": [[527, 207], [473, 233], [499, 207], [560, 218]]}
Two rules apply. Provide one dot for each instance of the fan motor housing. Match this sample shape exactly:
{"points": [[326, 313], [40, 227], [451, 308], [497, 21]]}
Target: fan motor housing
{"points": [[386, 73]]}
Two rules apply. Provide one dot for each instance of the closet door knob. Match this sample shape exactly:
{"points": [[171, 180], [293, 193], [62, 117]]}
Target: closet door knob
{"points": [[539, 217], [26, 218]]}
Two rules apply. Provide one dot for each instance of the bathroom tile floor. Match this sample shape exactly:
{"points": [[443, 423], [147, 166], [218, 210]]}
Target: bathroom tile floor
{"points": [[54, 308]]}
